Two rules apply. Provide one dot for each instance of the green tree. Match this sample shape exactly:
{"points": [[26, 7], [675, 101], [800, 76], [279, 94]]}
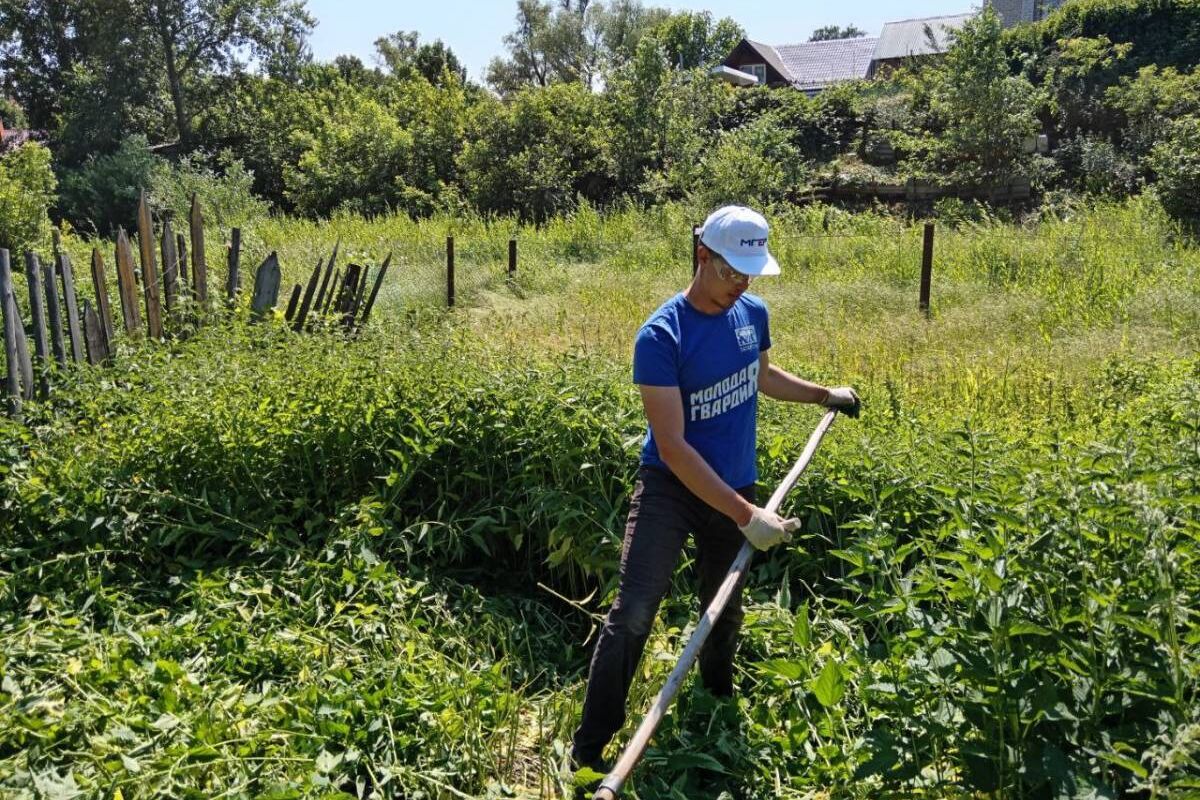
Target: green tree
{"points": [[202, 37], [830, 32], [27, 190], [404, 55], [92, 72], [980, 114], [1176, 160], [694, 39], [538, 153]]}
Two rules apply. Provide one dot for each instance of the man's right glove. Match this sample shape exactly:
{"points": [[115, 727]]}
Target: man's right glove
{"points": [[767, 529], [844, 399]]}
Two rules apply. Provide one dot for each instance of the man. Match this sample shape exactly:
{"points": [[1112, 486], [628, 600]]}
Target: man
{"points": [[699, 362]]}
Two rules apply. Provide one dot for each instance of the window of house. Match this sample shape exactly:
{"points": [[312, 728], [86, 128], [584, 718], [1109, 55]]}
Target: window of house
{"points": [[757, 70]]}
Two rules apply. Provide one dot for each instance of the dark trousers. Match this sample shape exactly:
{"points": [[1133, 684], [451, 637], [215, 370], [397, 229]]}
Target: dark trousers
{"points": [[662, 513]]}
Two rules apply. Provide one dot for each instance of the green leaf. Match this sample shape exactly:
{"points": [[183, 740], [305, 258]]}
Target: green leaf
{"points": [[801, 631], [830, 685]]}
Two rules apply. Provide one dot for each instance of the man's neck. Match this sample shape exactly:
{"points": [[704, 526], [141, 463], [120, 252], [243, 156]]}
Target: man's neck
{"points": [[699, 301]]}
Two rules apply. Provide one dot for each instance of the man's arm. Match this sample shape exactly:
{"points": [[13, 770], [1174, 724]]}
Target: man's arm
{"points": [[783, 385], [664, 410]]}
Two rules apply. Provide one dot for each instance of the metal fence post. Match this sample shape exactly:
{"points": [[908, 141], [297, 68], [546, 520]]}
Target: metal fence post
{"points": [[512, 257], [695, 249]]}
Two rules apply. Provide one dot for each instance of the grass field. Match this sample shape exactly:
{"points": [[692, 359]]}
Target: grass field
{"points": [[255, 564]]}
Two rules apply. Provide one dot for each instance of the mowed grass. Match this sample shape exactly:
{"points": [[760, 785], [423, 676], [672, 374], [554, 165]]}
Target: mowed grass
{"points": [[255, 564]]}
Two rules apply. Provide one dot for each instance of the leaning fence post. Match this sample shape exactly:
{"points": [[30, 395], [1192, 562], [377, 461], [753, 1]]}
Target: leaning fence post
{"points": [[374, 292], [306, 303], [145, 224], [127, 284], [199, 267], [181, 254], [266, 287], [54, 315], [926, 268], [235, 259], [12, 380], [100, 284], [97, 343], [512, 257], [450, 271], [37, 311], [170, 262], [72, 306]]}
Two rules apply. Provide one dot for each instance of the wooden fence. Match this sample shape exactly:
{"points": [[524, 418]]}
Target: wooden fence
{"points": [[165, 296]]}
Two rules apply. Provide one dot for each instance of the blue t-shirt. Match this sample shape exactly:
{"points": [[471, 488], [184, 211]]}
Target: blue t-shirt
{"points": [[713, 359]]}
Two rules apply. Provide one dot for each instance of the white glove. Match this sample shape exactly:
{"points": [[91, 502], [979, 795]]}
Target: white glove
{"points": [[767, 529], [844, 399]]}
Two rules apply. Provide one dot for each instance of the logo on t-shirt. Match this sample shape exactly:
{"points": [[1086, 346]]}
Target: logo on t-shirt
{"points": [[747, 338], [725, 394]]}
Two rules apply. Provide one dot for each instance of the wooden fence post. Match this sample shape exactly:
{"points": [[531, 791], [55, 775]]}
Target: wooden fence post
{"points": [[12, 375], [199, 267], [320, 301], [450, 272], [154, 323], [37, 311], [266, 287], [127, 284], [307, 302], [234, 284], [926, 268], [337, 279], [72, 306], [375, 291], [293, 302], [185, 288], [54, 315], [512, 257], [97, 344], [100, 284], [356, 304], [170, 265]]}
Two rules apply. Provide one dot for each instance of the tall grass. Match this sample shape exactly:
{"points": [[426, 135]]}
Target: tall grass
{"points": [[256, 564]]}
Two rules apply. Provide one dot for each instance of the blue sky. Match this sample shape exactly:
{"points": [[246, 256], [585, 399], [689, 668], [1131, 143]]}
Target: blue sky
{"points": [[474, 29]]}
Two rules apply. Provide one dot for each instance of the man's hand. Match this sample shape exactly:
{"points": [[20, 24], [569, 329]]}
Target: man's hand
{"points": [[844, 399], [767, 529]]}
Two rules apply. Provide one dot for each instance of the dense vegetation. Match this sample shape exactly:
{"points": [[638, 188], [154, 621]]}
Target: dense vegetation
{"points": [[606, 103], [260, 564], [250, 563]]}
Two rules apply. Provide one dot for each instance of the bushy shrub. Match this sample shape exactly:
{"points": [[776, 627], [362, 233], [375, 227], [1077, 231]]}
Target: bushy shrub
{"points": [[354, 159], [224, 192], [103, 193], [535, 154], [1093, 165], [27, 186], [1176, 160], [756, 164]]}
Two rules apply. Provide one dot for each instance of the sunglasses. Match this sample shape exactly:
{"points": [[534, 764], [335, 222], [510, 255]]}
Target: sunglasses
{"points": [[726, 272]]}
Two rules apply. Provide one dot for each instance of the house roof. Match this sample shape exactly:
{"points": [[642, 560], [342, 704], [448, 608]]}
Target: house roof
{"points": [[812, 65], [771, 56], [909, 37]]}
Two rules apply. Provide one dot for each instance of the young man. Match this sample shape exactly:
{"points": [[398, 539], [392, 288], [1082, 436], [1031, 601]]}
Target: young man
{"points": [[699, 362]]}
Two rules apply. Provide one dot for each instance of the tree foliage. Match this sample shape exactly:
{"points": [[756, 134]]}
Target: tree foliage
{"points": [[828, 33], [27, 190]]}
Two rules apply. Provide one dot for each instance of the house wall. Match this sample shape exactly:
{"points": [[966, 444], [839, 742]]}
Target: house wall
{"points": [[744, 54]]}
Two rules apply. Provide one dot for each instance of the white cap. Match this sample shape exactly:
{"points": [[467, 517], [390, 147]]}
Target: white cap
{"points": [[739, 235]]}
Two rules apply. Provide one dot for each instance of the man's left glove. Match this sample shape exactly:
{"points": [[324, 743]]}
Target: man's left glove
{"points": [[844, 399], [767, 529]]}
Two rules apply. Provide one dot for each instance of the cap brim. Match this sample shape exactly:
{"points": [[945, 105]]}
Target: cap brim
{"points": [[754, 266]]}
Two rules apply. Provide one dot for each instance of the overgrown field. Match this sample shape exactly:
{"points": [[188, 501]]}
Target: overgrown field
{"points": [[256, 564]]}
